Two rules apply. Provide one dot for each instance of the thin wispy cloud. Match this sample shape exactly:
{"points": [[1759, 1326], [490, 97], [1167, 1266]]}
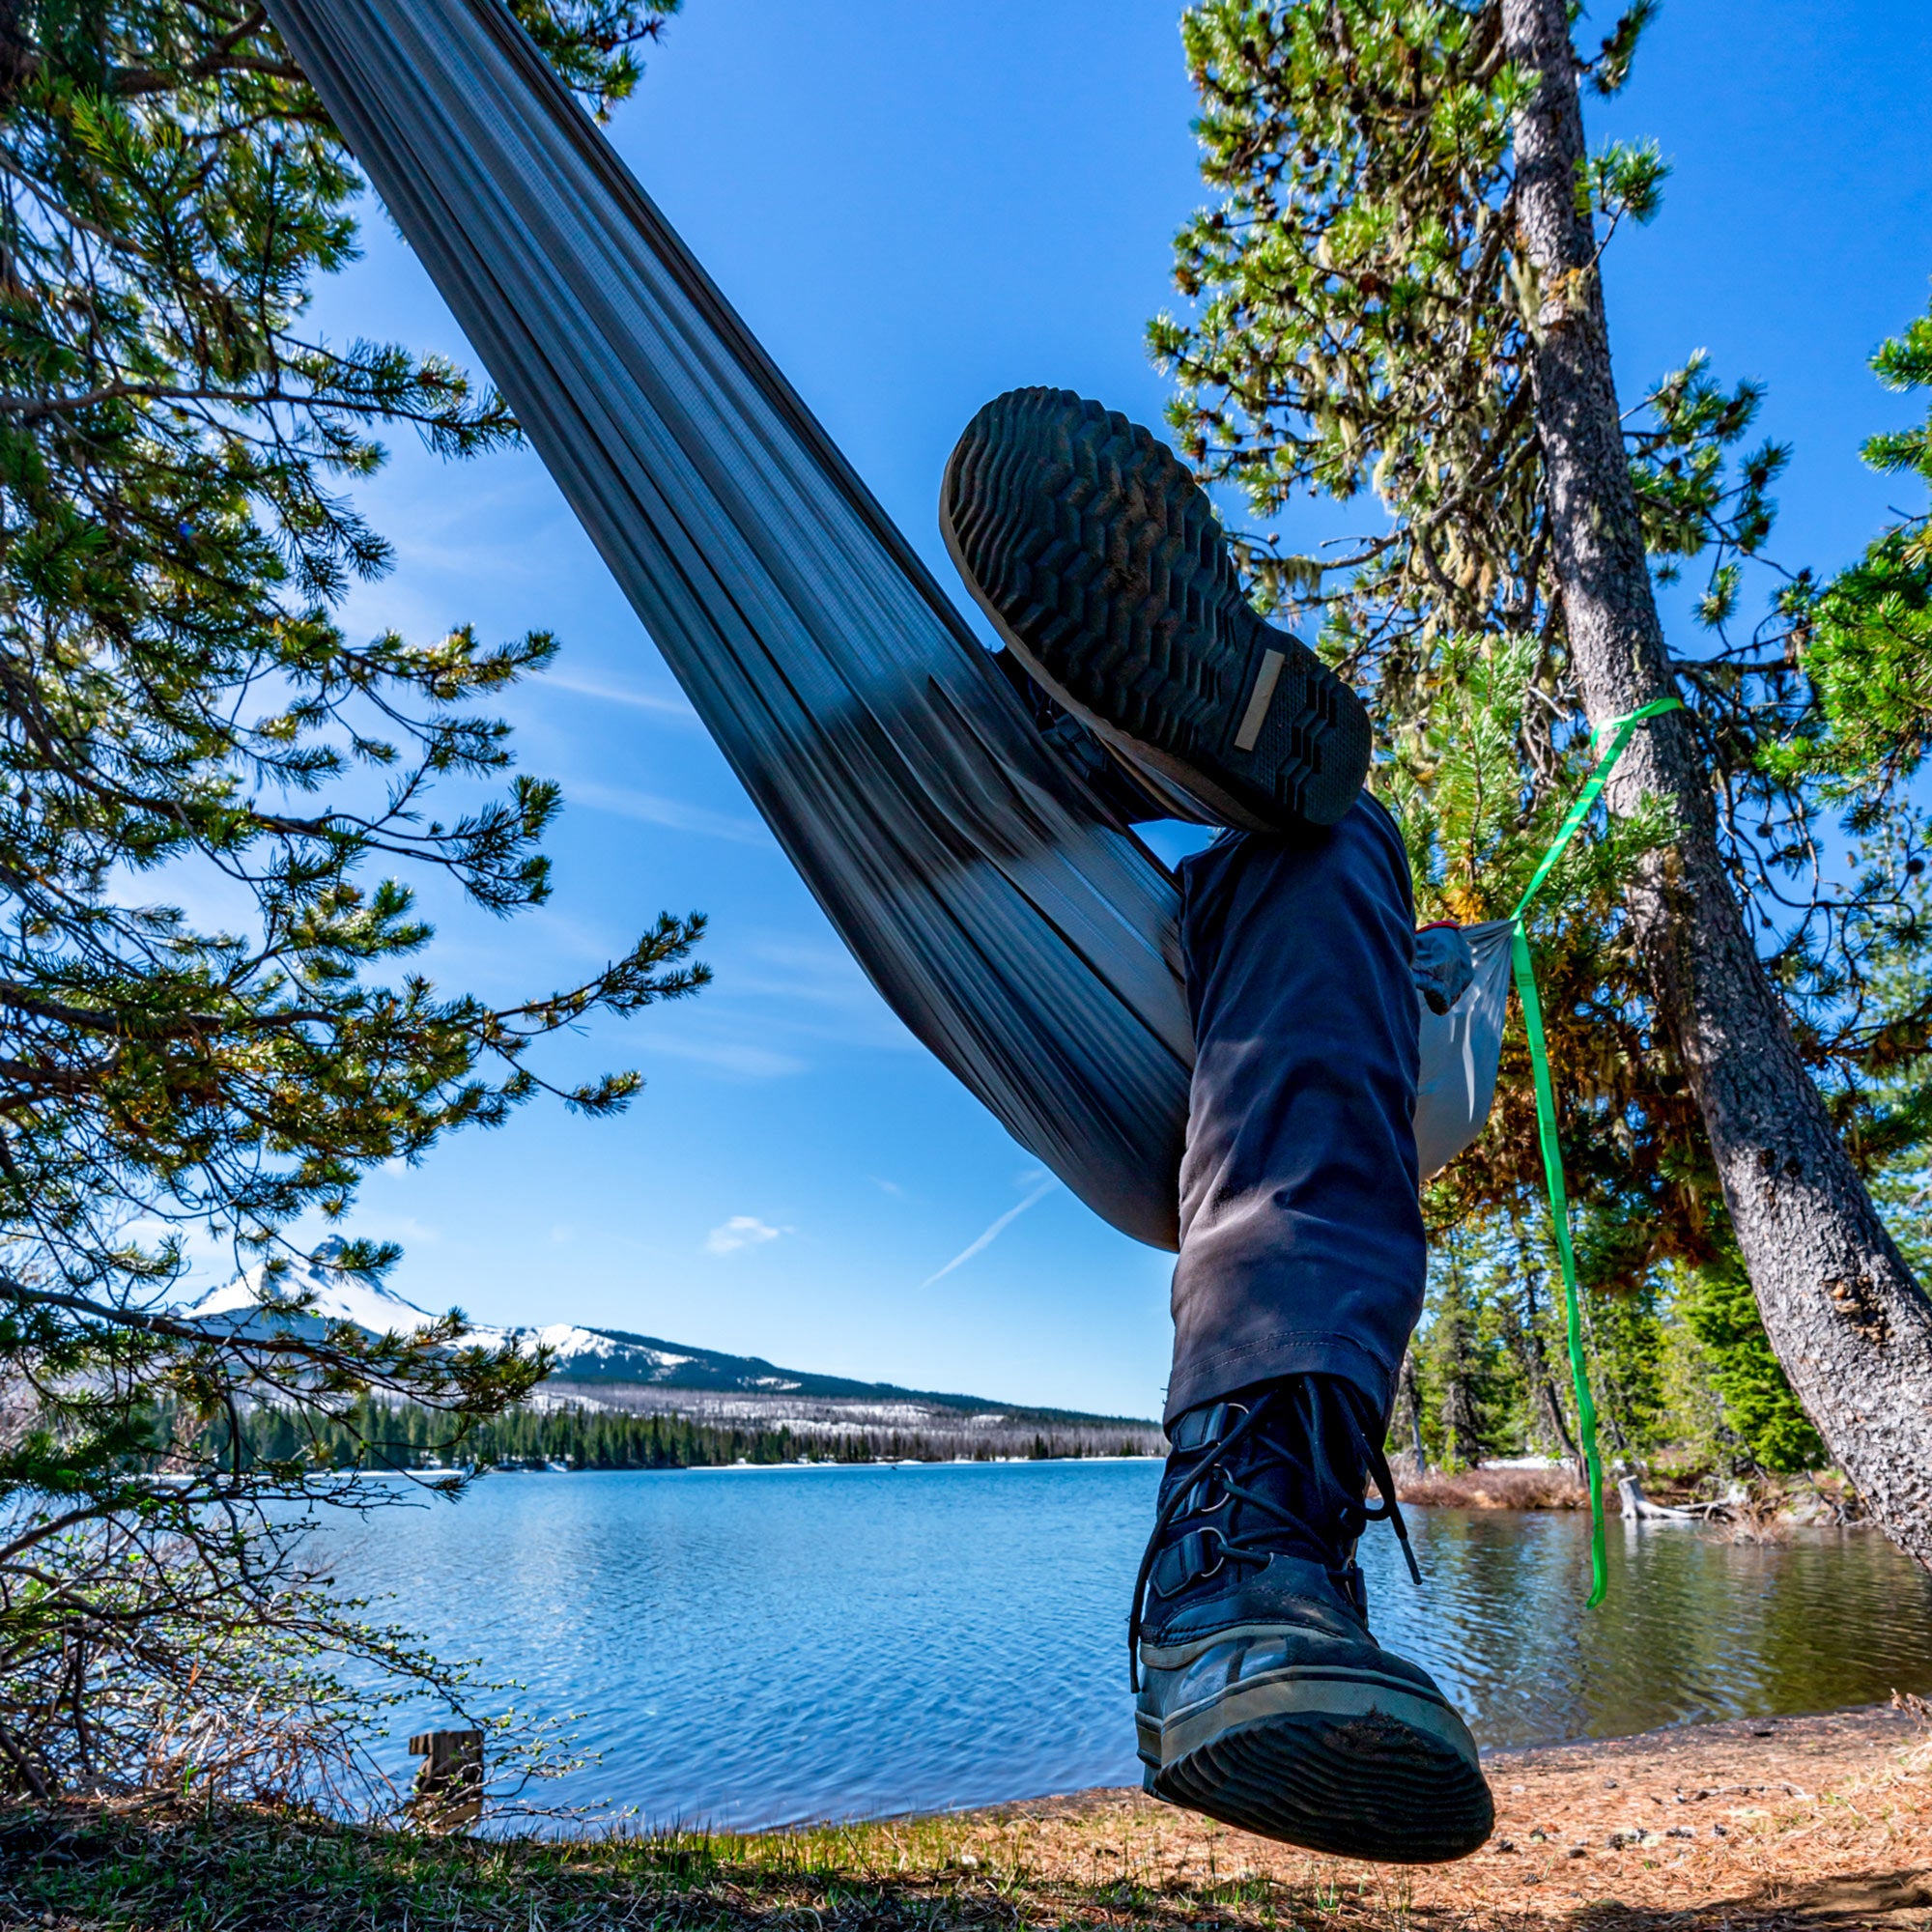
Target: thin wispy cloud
{"points": [[665, 703], [822, 992], [741, 1231], [807, 969], [993, 1234], [750, 1061], [653, 808]]}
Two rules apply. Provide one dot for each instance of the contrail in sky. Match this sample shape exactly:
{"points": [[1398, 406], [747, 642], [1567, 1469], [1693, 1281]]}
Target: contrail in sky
{"points": [[993, 1233], [674, 704]]}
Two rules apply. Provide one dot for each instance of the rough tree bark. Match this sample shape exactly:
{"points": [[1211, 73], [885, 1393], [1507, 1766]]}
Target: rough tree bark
{"points": [[1849, 1323]]}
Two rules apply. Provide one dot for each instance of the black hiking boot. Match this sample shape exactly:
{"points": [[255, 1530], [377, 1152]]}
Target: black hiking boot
{"points": [[1107, 573], [1263, 1700]]}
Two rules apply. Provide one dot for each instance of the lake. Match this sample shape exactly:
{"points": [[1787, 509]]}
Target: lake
{"points": [[761, 1646]]}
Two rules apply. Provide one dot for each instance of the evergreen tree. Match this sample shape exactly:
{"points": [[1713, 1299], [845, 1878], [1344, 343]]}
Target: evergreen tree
{"points": [[182, 722], [1758, 1405], [1529, 1331], [1399, 292], [1867, 635], [1471, 1395]]}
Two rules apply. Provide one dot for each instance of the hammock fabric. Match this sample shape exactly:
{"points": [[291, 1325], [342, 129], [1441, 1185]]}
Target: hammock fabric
{"points": [[1015, 924]]}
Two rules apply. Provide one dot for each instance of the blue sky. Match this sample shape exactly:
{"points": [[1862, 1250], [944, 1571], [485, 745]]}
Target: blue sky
{"points": [[917, 207]]}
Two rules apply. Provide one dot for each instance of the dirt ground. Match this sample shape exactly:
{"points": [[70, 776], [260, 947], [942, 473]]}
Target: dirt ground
{"points": [[1751, 1826], [1761, 1824]]}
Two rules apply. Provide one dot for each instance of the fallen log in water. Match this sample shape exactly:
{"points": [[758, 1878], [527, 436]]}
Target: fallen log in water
{"points": [[1639, 1507]]}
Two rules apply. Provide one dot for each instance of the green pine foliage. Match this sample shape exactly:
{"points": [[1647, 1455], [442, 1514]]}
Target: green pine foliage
{"points": [[1686, 1382], [1719, 1308], [215, 811], [1866, 634], [1358, 327], [407, 1436], [386, 1436], [1474, 1396]]}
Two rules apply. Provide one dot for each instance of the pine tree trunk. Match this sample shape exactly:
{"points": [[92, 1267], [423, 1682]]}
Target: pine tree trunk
{"points": [[1534, 1359], [1850, 1325], [1458, 1411], [1554, 1420], [1408, 1409]]}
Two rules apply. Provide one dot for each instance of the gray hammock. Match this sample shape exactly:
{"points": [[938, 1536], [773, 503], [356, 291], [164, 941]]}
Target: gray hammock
{"points": [[1017, 925]]}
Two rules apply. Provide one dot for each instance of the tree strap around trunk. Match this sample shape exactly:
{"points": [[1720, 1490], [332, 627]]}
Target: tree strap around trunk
{"points": [[1614, 737]]}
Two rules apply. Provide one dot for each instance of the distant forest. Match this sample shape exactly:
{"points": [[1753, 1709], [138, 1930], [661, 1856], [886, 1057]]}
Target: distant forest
{"points": [[404, 1437]]}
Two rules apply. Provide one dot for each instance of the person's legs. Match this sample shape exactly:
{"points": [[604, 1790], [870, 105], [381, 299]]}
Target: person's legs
{"points": [[1263, 1700], [1301, 1246]]}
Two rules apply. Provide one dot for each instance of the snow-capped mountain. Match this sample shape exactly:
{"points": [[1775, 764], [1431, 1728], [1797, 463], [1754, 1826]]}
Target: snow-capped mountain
{"points": [[612, 1357], [582, 1353], [338, 1296]]}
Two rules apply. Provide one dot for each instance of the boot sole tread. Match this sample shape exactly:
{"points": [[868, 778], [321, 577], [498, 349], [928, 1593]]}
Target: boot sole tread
{"points": [[1104, 566], [1345, 1765]]}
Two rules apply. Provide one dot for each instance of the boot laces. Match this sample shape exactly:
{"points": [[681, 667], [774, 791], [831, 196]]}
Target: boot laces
{"points": [[1267, 1522]]}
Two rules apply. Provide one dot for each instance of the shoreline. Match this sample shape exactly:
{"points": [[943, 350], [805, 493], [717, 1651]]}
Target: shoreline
{"points": [[1744, 1826]]}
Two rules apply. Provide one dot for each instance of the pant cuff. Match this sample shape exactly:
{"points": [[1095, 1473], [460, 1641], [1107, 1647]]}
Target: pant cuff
{"points": [[1229, 1370]]}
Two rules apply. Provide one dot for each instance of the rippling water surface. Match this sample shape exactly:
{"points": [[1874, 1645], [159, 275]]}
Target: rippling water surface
{"points": [[756, 1646]]}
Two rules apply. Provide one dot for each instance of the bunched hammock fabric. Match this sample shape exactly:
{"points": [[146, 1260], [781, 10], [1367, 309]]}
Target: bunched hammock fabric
{"points": [[1017, 926]]}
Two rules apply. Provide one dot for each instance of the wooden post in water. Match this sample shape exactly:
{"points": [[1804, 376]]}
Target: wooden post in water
{"points": [[448, 1791]]}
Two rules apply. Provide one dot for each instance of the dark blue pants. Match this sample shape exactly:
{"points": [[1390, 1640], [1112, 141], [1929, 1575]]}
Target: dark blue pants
{"points": [[1301, 1244]]}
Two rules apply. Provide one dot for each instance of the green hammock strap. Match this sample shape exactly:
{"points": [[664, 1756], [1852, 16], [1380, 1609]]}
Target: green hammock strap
{"points": [[1614, 737]]}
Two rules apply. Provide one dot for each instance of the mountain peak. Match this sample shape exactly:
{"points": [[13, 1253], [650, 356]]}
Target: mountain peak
{"points": [[589, 1363], [336, 1296]]}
